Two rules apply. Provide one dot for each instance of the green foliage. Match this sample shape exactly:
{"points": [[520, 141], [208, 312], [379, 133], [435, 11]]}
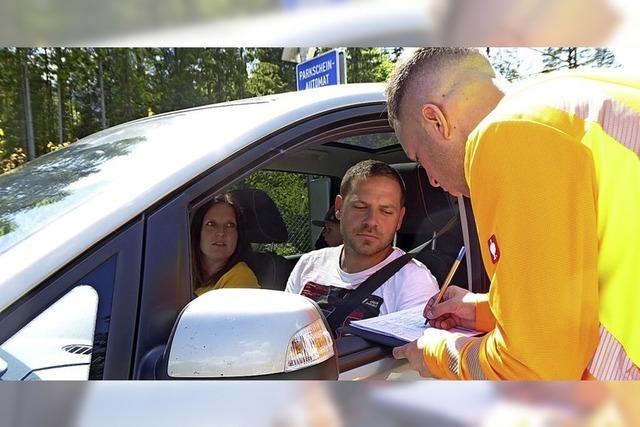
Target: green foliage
{"points": [[10, 103], [47, 182], [9, 158], [265, 80], [370, 64], [282, 75], [71, 89], [289, 192]]}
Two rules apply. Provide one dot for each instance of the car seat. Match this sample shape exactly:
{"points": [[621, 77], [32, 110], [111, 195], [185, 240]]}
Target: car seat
{"points": [[264, 225], [427, 210]]}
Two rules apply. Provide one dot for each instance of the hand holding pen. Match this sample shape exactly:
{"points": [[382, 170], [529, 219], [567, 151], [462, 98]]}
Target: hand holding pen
{"points": [[434, 301]]}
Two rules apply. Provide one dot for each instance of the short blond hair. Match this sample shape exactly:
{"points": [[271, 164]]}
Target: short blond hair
{"points": [[424, 61]]}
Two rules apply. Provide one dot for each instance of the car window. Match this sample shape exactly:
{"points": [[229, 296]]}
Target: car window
{"points": [[48, 187], [62, 330], [274, 229], [105, 165], [371, 141], [58, 343], [290, 193]]}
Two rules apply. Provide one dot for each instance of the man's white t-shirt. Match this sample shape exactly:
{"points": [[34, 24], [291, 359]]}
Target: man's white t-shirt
{"points": [[318, 276]]}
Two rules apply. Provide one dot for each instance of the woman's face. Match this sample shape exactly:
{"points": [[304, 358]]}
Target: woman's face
{"points": [[219, 233]]}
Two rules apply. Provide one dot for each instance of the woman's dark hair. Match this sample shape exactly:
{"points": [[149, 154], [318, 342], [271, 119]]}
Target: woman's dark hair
{"points": [[243, 248]]}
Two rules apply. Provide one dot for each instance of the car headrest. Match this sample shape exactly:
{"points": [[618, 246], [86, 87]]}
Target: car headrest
{"points": [[263, 220], [428, 208]]}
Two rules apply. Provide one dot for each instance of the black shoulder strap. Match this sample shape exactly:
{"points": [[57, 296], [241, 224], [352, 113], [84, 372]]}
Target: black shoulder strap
{"points": [[339, 314], [354, 299]]}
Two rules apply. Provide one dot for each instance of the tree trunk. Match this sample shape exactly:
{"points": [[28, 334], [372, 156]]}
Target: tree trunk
{"points": [[28, 119], [103, 111], [49, 115], [573, 57], [59, 94], [127, 69]]}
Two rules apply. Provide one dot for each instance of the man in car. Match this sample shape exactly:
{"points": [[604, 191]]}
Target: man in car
{"points": [[370, 208], [330, 235], [553, 173]]}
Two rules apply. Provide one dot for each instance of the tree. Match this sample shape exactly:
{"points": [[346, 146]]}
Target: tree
{"points": [[265, 79], [366, 65], [74, 92], [60, 79], [103, 112], [26, 103], [573, 57], [507, 61], [11, 117], [269, 74]]}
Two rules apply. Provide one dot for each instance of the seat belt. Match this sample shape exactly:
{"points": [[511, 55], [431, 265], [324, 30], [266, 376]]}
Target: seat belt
{"points": [[337, 317], [354, 299]]}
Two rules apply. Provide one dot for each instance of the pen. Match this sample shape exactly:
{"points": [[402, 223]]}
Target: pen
{"points": [[445, 285]]}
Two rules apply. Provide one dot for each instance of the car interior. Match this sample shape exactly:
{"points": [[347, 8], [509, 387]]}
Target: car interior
{"points": [[432, 227], [429, 210], [265, 225]]}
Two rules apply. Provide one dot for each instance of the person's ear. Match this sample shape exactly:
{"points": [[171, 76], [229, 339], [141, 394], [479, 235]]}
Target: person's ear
{"points": [[338, 206], [435, 121]]}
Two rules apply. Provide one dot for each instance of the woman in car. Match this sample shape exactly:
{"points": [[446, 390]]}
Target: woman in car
{"points": [[220, 247]]}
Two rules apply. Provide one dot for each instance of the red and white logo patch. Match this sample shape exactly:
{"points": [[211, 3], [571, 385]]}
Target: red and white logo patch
{"points": [[494, 249]]}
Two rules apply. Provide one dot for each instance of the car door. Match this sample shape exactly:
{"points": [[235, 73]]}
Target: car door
{"points": [[166, 276], [166, 283], [78, 324]]}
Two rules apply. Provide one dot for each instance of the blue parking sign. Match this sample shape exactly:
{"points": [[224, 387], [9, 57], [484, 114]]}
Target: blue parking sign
{"points": [[323, 70]]}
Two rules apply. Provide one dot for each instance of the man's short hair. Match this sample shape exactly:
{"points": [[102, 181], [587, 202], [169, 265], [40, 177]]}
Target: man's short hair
{"points": [[366, 169], [424, 61]]}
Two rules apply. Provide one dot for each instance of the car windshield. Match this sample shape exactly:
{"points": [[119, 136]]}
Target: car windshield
{"points": [[122, 163], [50, 186], [123, 159], [129, 167]]}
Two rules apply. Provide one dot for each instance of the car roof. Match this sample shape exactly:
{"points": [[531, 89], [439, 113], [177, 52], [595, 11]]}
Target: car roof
{"points": [[87, 190]]}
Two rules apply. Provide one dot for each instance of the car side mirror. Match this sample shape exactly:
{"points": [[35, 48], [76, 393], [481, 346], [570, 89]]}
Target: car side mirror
{"points": [[249, 334]]}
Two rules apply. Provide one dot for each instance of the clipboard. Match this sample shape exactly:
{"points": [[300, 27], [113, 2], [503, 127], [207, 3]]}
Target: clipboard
{"points": [[374, 337], [397, 328]]}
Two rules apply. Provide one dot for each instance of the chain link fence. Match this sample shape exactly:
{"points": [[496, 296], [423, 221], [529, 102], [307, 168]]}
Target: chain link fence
{"points": [[299, 229], [289, 191]]}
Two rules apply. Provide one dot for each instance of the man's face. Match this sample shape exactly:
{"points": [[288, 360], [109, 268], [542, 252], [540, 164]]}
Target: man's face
{"points": [[331, 233], [429, 152], [370, 214]]}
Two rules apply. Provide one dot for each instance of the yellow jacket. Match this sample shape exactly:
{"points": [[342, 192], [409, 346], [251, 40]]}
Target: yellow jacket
{"points": [[554, 174], [238, 276]]}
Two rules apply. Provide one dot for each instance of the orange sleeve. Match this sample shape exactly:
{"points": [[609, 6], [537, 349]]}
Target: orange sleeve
{"points": [[484, 317], [532, 188]]}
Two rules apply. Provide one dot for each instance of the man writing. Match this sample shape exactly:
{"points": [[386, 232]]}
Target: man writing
{"points": [[553, 173], [370, 208]]}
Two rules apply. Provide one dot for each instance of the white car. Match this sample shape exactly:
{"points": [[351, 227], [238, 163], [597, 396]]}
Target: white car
{"points": [[95, 257]]}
